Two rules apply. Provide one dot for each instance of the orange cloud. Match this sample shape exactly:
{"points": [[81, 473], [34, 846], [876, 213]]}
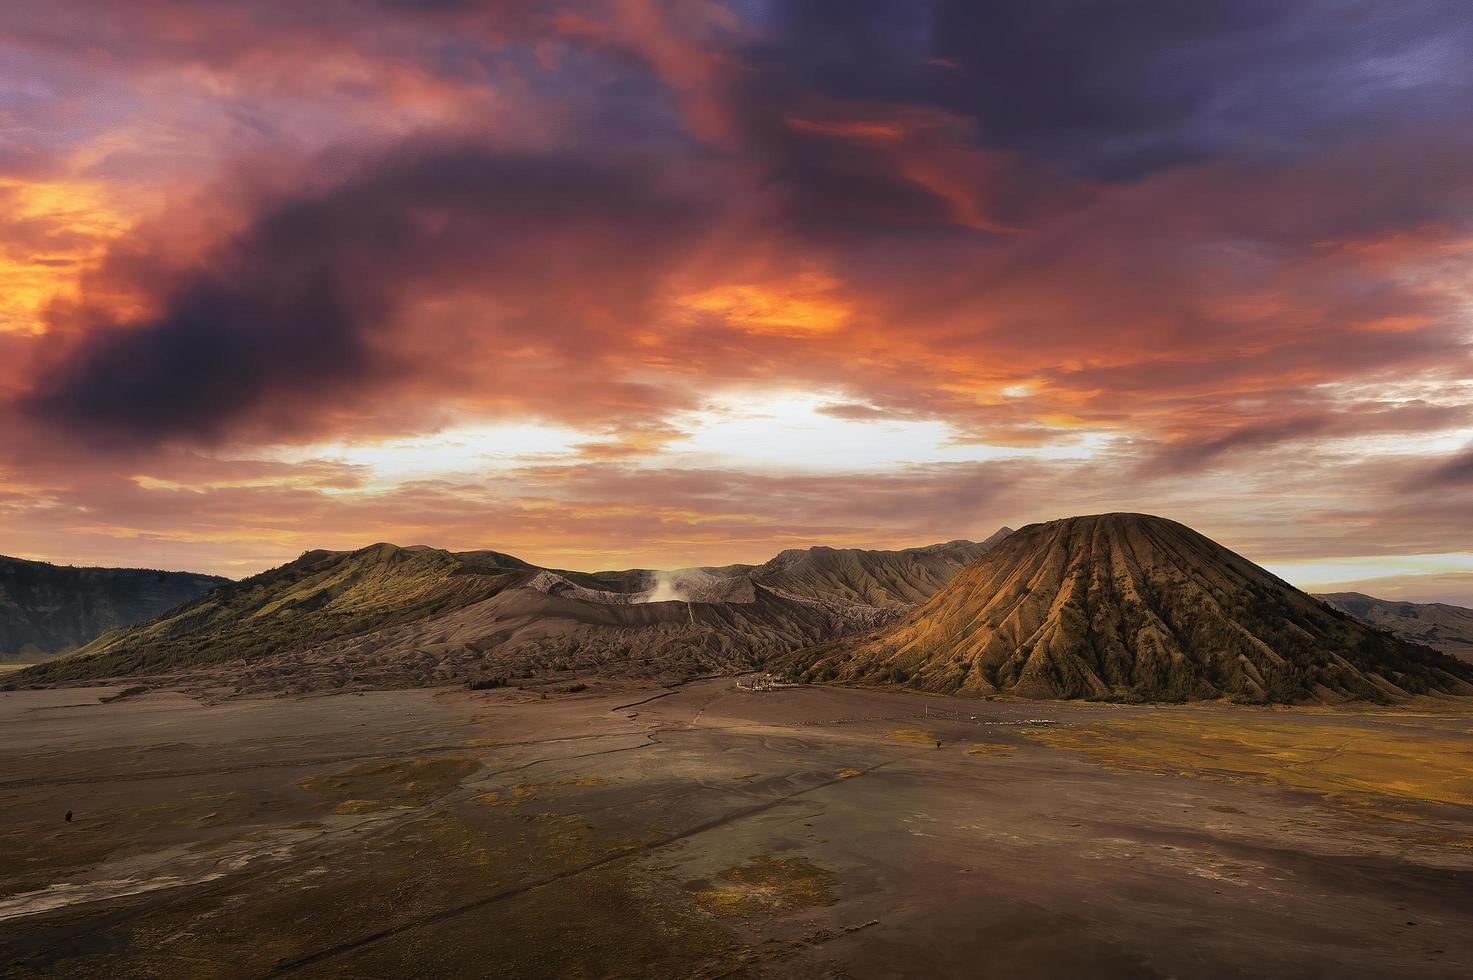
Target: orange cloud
{"points": [[805, 305], [865, 129], [55, 231]]}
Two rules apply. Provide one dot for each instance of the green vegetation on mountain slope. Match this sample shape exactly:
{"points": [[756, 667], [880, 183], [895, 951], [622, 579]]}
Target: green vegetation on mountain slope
{"points": [[45, 609]]}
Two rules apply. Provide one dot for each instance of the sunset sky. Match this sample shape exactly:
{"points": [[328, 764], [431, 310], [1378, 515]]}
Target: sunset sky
{"points": [[635, 283]]}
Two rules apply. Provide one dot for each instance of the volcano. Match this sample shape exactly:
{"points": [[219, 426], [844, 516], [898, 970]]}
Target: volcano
{"points": [[390, 616], [1131, 607]]}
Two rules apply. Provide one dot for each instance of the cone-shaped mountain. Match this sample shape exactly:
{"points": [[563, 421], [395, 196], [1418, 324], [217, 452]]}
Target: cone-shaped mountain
{"points": [[1135, 607]]}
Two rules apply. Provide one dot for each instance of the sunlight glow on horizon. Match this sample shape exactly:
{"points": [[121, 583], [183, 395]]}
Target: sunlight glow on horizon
{"points": [[756, 431], [1315, 574]]}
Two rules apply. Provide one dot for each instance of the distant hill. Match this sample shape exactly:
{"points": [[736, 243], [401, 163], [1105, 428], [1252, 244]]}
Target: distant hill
{"points": [[389, 616], [1134, 607], [877, 578], [45, 609], [1435, 624]]}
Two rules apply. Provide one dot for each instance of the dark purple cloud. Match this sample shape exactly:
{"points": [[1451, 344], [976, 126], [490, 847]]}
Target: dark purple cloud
{"points": [[1190, 454], [1124, 88], [295, 313]]}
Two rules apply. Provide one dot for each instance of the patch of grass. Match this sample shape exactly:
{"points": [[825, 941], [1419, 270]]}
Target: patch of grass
{"points": [[913, 735], [523, 792], [397, 782], [1378, 761], [766, 885]]}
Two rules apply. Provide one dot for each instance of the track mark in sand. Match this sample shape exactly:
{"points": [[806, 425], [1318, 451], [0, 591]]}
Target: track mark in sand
{"points": [[635, 704], [434, 918], [649, 737], [715, 696], [677, 689], [214, 770], [1337, 751], [286, 763]]}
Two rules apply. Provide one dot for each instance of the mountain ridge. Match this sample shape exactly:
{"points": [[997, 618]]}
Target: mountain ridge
{"points": [[1439, 625], [392, 615], [47, 608]]}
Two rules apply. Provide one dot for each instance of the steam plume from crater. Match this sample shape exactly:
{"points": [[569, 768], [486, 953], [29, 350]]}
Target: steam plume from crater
{"points": [[667, 589]]}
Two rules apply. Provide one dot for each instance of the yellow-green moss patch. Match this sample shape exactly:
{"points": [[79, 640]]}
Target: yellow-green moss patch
{"points": [[766, 885], [913, 735], [397, 782]]}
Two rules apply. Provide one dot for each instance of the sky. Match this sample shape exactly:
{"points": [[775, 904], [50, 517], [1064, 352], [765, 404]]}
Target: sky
{"points": [[616, 283]]}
